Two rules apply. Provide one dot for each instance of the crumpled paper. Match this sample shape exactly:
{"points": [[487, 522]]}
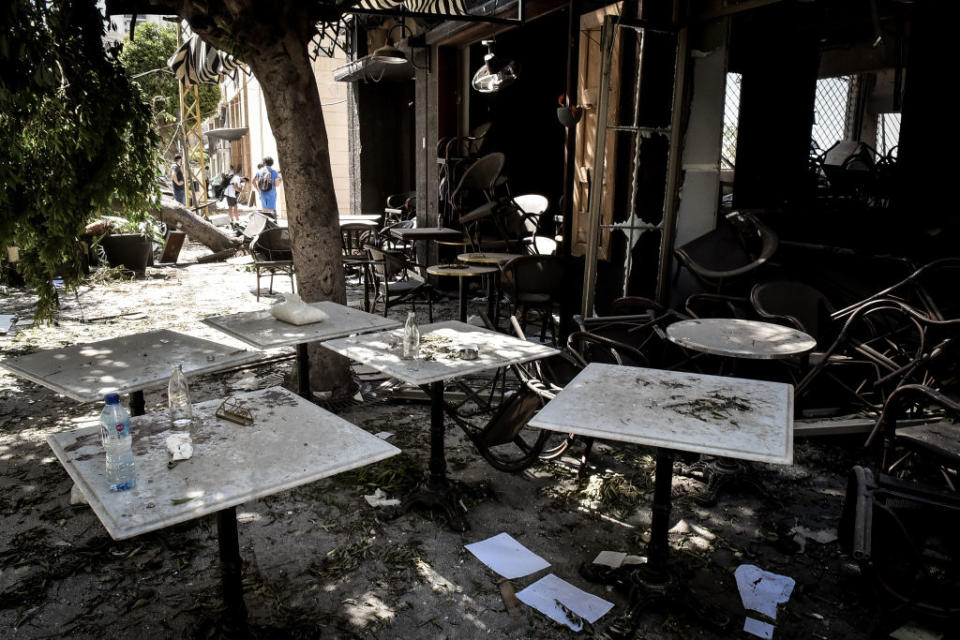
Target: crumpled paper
{"points": [[380, 499], [180, 446]]}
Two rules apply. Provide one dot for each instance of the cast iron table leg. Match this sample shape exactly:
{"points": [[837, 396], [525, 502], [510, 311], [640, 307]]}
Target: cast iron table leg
{"points": [[303, 371], [491, 291], [652, 585], [652, 579], [136, 403], [437, 491], [463, 299], [234, 609]]}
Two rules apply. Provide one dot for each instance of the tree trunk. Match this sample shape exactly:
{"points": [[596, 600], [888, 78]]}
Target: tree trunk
{"points": [[273, 39], [296, 118], [197, 229]]}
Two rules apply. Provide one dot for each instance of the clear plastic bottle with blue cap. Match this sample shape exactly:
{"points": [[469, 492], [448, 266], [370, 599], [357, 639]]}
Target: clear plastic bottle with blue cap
{"points": [[117, 442]]}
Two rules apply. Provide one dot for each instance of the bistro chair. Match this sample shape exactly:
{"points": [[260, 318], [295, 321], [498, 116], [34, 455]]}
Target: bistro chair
{"points": [[903, 536], [882, 345], [535, 283], [796, 305], [478, 183], [739, 245], [932, 435], [900, 523], [272, 254], [396, 280], [503, 439]]}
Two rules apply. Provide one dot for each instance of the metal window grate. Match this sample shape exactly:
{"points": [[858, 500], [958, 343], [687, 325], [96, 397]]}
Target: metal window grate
{"points": [[731, 119], [888, 133], [830, 110]]}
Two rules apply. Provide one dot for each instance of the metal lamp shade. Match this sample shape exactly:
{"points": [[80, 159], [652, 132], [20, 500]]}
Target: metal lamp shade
{"points": [[494, 75], [389, 54]]}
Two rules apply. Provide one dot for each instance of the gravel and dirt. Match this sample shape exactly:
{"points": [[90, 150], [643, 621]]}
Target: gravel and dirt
{"points": [[317, 560]]}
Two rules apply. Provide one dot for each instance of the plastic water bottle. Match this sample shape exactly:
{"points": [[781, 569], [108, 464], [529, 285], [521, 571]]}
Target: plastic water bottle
{"points": [[115, 431], [411, 337], [178, 398]]}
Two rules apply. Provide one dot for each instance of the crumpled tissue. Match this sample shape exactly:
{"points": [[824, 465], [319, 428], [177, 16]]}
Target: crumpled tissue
{"points": [[180, 446]]}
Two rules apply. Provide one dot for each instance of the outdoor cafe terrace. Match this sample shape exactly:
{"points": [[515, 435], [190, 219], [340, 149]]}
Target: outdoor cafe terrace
{"points": [[696, 471]]}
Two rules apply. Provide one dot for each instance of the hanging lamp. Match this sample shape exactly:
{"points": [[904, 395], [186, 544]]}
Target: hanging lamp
{"points": [[495, 73], [389, 53]]}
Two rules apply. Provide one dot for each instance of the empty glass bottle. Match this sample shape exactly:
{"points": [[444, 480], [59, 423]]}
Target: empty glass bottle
{"points": [[178, 398], [411, 337]]}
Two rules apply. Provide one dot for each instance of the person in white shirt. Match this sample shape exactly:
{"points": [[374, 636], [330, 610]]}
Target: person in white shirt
{"points": [[232, 192]]}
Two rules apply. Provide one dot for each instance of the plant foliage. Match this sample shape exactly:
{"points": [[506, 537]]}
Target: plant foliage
{"points": [[76, 137]]}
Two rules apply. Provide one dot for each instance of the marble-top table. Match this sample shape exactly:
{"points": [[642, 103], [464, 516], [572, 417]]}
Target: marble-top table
{"points": [[713, 415], [672, 410], [291, 442], [736, 338], [383, 351], [261, 330], [128, 364]]}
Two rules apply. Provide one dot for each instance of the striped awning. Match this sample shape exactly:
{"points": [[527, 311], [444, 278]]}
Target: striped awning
{"points": [[469, 10], [438, 7], [196, 62]]}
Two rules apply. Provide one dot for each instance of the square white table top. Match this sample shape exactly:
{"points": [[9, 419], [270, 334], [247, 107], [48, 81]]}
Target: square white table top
{"points": [[383, 351], [261, 330], [291, 442], [714, 415], [85, 372]]}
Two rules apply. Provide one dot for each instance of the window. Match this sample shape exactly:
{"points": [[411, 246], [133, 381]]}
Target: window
{"points": [[830, 111], [731, 118], [888, 133]]}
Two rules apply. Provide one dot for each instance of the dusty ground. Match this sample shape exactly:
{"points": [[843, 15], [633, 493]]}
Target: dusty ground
{"points": [[317, 559]]}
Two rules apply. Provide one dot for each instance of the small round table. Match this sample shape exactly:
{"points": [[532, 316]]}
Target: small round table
{"points": [[487, 257], [461, 271], [493, 286], [735, 338]]}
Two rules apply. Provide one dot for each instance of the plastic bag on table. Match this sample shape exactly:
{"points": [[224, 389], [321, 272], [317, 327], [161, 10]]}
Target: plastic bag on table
{"points": [[295, 311]]}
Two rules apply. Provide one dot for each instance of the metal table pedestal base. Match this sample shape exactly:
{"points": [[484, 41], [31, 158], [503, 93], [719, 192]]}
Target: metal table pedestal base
{"points": [[437, 491], [651, 585]]}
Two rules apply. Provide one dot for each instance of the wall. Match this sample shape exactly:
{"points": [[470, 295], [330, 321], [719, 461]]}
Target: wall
{"points": [[333, 96]]}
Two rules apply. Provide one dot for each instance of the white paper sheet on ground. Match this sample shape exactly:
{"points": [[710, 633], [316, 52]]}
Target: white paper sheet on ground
{"points": [[761, 590], [543, 595], [610, 558], [383, 435], [758, 628], [506, 556]]}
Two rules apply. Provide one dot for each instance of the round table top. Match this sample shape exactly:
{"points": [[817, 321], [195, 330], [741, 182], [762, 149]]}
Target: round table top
{"points": [[740, 338], [460, 270], [488, 257]]}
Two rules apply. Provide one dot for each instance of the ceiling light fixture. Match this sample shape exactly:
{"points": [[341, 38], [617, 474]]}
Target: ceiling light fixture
{"points": [[495, 73], [389, 53]]}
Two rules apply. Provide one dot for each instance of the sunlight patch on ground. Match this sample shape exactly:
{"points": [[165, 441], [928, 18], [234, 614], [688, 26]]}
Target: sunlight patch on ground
{"points": [[441, 585], [367, 609]]}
